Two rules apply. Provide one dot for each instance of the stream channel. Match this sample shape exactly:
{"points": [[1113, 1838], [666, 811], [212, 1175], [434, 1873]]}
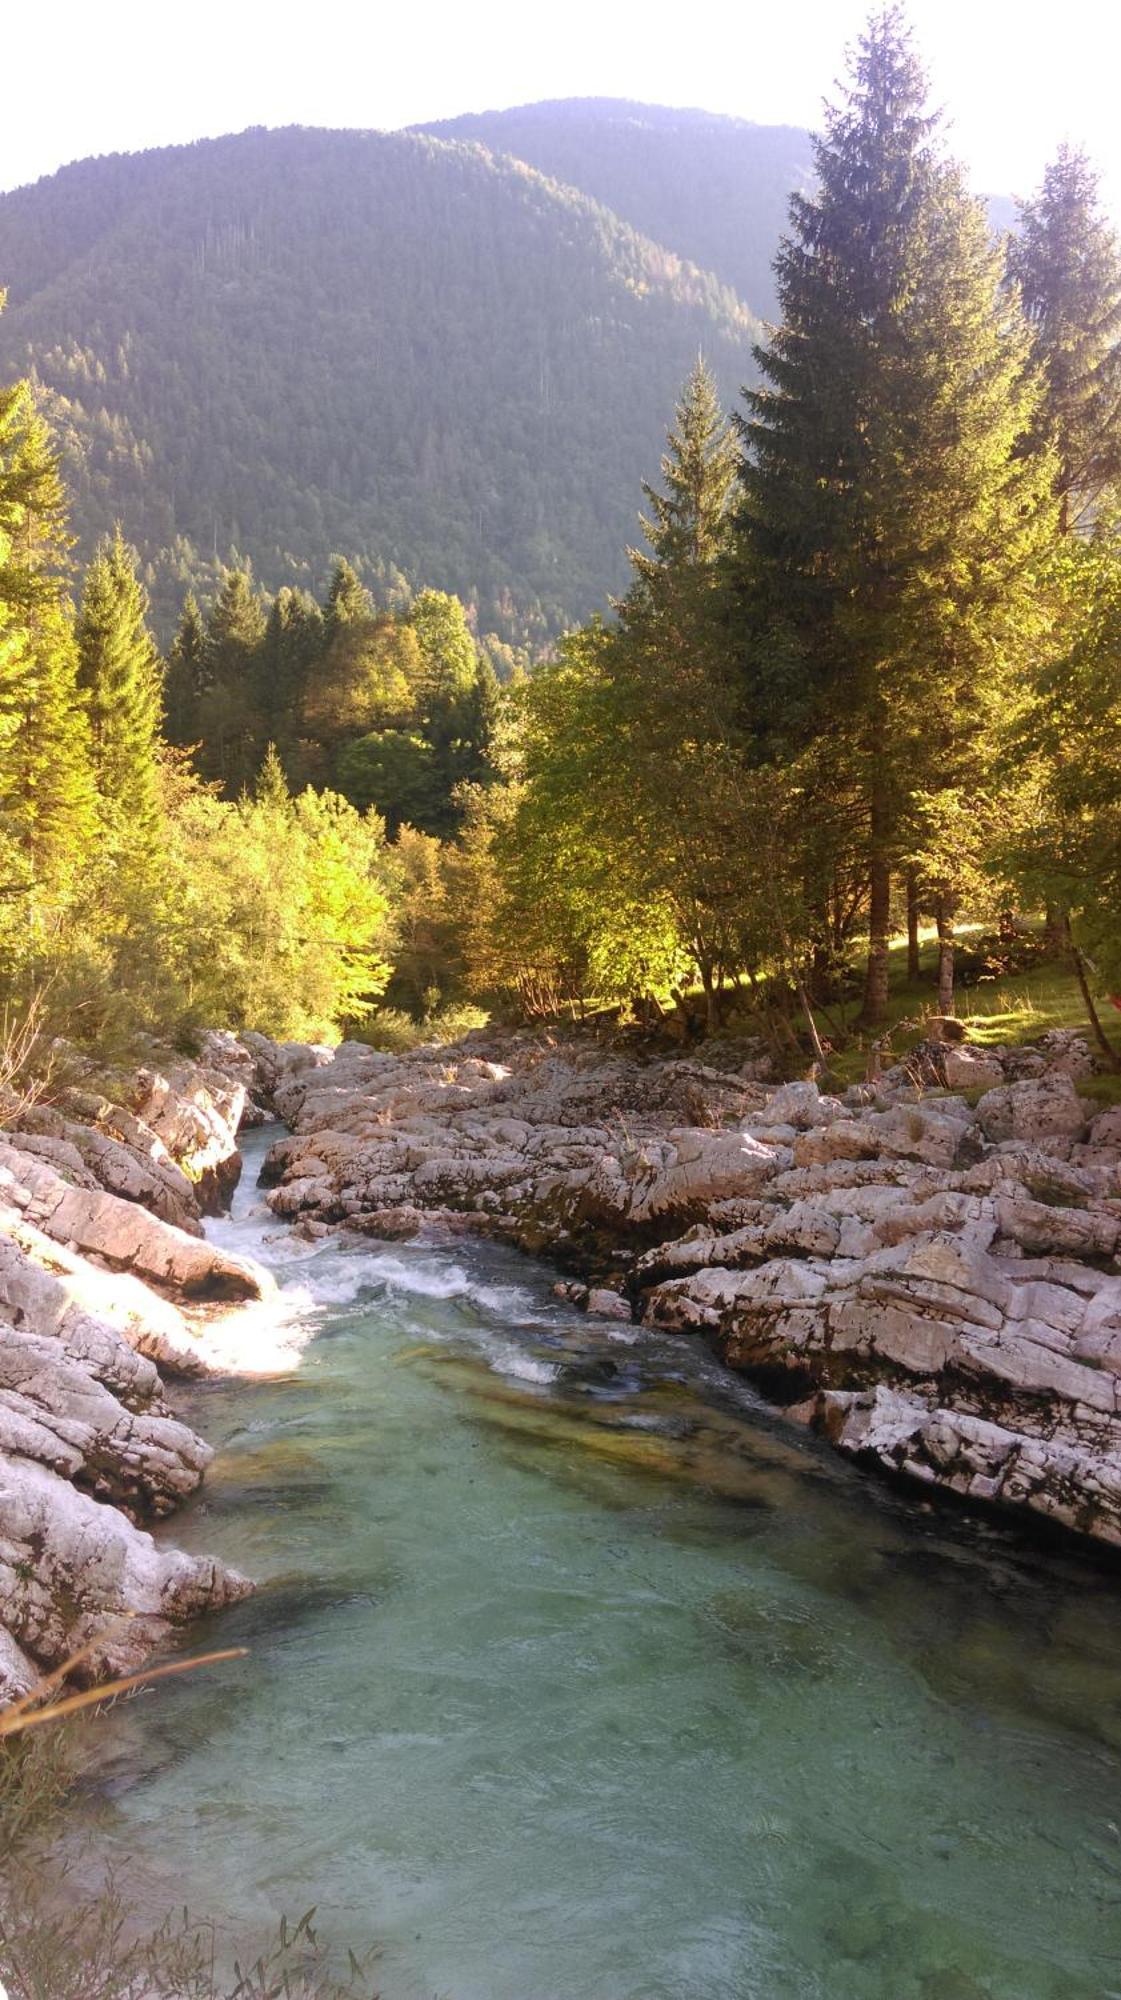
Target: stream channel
{"points": [[576, 1675]]}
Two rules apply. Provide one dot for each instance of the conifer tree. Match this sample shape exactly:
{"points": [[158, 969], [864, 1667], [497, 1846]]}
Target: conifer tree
{"points": [[890, 532], [185, 679], [292, 646], [119, 675], [235, 630], [271, 786], [482, 709], [1067, 265], [447, 694], [46, 787], [690, 512], [679, 804], [347, 599]]}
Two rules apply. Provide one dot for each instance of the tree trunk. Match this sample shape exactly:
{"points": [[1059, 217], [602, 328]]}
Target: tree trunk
{"points": [[914, 967], [1092, 1015], [712, 998], [879, 910], [815, 1038], [945, 922]]}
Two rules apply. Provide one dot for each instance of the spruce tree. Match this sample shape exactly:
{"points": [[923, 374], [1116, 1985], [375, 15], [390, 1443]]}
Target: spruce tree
{"points": [[668, 692], [185, 679], [889, 530], [1066, 263], [688, 527], [347, 599], [119, 675], [482, 709], [292, 646], [230, 725], [46, 786]]}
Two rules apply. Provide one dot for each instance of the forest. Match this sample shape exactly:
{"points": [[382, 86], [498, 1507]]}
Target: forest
{"points": [[861, 686], [278, 346]]}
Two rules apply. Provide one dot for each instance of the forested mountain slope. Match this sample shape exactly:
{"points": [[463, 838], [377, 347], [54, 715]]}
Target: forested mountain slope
{"points": [[713, 189], [293, 343]]}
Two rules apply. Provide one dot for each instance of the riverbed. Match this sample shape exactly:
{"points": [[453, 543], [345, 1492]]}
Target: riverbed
{"points": [[576, 1675]]}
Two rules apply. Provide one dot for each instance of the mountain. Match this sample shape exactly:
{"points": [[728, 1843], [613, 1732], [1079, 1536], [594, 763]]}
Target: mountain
{"points": [[410, 349], [713, 189], [449, 353]]}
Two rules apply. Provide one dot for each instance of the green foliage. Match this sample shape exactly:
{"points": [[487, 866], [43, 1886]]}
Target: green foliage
{"points": [[273, 912], [1065, 260], [120, 678], [382, 343], [1065, 743], [396, 770], [892, 530], [46, 782]]}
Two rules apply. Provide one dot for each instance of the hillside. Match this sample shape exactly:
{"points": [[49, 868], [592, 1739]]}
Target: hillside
{"points": [[298, 342], [713, 189]]}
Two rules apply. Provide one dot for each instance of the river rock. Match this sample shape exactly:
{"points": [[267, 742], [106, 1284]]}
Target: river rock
{"points": [[73, 1569], [1046, 1111], [900, 1242], [103, 1275], [121, 1235]]}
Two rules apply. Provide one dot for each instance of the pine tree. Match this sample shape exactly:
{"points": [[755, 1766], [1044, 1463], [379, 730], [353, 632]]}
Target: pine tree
{"points": [[46, 787], [1066, 263], [689, 528], [669, 694], [293, 645], [347, 599], [119, 674], [185, 678], [228, 716], [890, 531]]}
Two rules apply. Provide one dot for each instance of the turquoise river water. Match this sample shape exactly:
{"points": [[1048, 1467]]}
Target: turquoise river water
{"points": [[574, 1675]]}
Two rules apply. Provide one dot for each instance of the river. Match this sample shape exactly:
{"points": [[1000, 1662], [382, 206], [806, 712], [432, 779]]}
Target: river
{"points": [[575, 1676]]}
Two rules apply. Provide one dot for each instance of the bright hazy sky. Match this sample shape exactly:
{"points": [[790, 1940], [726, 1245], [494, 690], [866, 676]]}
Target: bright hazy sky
{"points": [[104, 76]]}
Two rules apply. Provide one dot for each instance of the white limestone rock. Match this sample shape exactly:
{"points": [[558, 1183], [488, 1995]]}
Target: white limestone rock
{"points": [[122, 1235], [73, 1569]]}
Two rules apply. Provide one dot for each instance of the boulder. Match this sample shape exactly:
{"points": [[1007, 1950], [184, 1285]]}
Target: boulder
{"points": [[123, 1236], [53, 1410], [73, 1569], [1045, 1111]]}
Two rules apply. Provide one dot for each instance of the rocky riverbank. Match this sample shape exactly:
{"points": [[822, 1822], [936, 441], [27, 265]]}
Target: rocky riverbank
{"points": [[926, 1270], [106, 1287]]}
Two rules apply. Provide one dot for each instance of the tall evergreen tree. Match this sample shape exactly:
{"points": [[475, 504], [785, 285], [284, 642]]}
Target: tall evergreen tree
{"points": [[482, 709], [119, 674], [688, 526], [229, 724], [46, 786], [347, 598], [668, 693], [1067, 265], [185, 679], [889, 530], [293, 644]]}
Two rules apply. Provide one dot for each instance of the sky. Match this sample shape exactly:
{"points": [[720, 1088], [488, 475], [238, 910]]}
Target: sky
{"points": [[1016, 77]]}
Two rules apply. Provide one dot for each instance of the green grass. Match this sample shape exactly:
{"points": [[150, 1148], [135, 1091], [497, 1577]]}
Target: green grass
{"points": [[994, 1013]]}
